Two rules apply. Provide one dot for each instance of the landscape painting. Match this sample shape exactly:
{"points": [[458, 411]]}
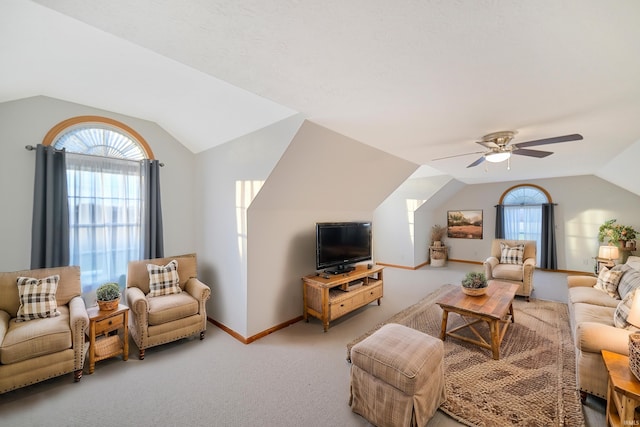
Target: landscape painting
{"points": [[464, 224]]}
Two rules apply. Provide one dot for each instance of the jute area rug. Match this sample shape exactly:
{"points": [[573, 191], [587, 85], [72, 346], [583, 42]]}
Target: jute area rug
{"points": [[533, 383]]}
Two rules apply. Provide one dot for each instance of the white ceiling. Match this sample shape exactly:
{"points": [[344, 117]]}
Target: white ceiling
{"points": [[418, 79]]}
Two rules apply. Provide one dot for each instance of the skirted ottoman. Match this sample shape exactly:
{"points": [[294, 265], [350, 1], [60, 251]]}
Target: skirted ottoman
{"points": [[397, 377]]}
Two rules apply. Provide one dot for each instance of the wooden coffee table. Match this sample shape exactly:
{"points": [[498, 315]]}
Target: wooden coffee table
{"points": [[495, 308]]}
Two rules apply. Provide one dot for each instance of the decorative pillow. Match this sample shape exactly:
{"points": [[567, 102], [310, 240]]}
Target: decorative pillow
{"points": [[37, 298], [608, 281], [622, 312], [511, 254], [630, 279], [163, 280]]}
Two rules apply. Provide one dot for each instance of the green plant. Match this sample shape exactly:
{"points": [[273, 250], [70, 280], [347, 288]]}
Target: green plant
{"points": [[615, 232], [437, 233], [108, 292], [474, 280]]}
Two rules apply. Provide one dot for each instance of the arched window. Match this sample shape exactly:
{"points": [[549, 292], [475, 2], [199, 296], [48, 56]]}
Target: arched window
{"points": [[522, 217], [106, 174]]}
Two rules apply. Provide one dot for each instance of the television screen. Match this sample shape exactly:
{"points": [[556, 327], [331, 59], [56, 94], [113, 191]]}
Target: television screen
{"points": [[340, 244]]}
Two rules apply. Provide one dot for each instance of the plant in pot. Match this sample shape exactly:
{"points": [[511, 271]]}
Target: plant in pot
{"points": [[437, 234], [474, 284], [108, 296], [617, 234]]}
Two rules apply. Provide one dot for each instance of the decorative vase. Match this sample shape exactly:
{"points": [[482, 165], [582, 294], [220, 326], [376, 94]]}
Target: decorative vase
{"points": [[109, 305]]}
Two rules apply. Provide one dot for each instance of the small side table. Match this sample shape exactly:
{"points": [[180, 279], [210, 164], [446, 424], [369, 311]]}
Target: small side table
{"points": [[104, 338], [623, 393]]}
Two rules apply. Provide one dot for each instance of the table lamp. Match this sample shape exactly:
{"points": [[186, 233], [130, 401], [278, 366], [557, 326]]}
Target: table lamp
{"points": [[608, 253]]}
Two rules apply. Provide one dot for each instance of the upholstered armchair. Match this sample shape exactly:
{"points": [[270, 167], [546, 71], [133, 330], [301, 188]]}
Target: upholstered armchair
{"points": [[43, 321], [166, 299], [512, 261]]}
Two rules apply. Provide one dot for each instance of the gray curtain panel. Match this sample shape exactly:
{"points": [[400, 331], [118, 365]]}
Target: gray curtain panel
{"points": [[153, 245], [50, 223], [499, 221], [548, 257]]}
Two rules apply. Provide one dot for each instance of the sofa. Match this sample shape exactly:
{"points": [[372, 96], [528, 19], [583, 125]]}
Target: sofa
{"points": [[46, 339], [594, 326]]}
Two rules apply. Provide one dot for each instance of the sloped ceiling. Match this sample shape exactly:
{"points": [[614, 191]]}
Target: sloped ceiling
{"points": [[417, 79]]}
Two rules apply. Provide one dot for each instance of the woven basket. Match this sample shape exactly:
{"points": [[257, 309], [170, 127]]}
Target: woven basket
{"points": [[108, 305], [474, 292], [634, 354]]}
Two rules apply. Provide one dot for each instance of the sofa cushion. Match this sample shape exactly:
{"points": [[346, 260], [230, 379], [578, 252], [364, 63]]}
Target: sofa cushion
{"points": [[37, 297], [591, 295], [511, 254], [38, 337], [608, 281], [508, 272], [622, 312], [630, 279], [167, 308], [163, 280]]}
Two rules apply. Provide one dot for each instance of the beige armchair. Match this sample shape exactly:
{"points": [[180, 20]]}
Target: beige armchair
{"points": [[520, 274], [41, 348], [156, 320]]}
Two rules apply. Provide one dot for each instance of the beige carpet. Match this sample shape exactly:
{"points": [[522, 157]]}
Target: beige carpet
{"points": [[533, 383]]}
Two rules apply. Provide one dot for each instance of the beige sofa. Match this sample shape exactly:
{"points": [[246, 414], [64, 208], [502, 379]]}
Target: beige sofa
{"points": [[592, 324], [36, 350]]}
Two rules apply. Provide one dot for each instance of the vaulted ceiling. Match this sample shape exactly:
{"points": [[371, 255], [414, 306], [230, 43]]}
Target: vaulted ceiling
{"points": [[417, 79]]}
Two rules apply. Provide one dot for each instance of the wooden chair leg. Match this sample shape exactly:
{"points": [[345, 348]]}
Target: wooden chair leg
{"points": [[201, 335], [583, 397], [141, 354], [77, 375]]}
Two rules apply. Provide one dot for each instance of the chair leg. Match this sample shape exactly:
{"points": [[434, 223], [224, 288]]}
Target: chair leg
{"points": [[77, 375], [141, 354], [201, 335], [583, 397]]}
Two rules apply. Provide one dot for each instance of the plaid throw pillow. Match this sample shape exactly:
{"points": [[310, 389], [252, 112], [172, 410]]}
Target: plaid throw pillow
{"points": [[511, 254], [163, 280], [37, 298], [608, 281]]}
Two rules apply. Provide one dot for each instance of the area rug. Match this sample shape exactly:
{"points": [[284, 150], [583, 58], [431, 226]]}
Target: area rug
{"points": [[533, 383]]}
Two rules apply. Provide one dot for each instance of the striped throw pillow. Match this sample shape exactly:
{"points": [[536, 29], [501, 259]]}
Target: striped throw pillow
{"points": [[163, 280], [511, 254], [622, 312], [37, 298]]}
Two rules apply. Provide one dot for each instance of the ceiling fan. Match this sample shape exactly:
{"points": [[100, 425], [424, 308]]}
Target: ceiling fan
{"points": [[500, 148]]}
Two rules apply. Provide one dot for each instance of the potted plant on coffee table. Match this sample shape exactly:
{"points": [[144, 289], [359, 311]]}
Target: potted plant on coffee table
{"points": [[108, 296], [474, 284]]}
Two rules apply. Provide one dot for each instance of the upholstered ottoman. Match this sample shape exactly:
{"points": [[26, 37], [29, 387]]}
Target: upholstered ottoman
{"points": [[397, 377]]}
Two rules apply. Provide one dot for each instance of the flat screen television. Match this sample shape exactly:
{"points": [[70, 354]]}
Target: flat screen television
{"points": [[339, 245]]}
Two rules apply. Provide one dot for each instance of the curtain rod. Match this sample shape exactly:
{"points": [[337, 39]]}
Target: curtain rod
{"points": [[525, 204], [31, 148]]}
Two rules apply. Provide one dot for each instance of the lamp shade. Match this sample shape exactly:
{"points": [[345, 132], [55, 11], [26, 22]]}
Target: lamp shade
{"points": [[608, 252], [497, 157]]}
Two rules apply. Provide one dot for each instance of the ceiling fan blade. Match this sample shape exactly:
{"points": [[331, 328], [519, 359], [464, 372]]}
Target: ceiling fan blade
{"points": [[457, 155], [532, 153], [554, 140], [477, 162]]}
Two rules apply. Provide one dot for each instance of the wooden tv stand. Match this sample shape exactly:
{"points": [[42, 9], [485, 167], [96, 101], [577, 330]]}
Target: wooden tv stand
{"points": [[329, 296]]}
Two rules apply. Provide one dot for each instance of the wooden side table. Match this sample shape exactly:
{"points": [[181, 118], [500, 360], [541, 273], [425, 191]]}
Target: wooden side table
{"points": [[623, 393], [104, 337]]}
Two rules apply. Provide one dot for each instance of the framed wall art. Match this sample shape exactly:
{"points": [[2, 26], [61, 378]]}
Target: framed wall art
{"points": [[464, 224]]}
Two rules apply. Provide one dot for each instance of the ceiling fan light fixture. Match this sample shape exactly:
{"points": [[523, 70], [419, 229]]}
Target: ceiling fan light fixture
{"points": [[497, 157]]}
